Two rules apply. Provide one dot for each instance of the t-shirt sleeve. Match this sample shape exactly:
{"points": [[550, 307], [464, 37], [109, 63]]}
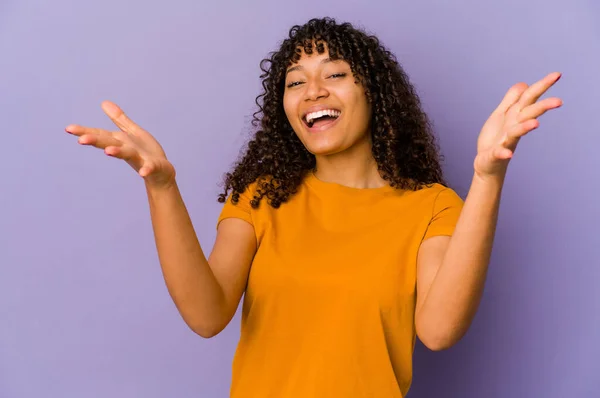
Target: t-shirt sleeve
{"points": [[242, 209], [446, 210]]}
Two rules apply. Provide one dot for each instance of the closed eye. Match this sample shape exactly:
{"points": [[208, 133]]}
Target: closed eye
{"points": [[334, 76]]}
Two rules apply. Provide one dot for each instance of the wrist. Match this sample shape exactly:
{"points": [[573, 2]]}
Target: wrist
{"points": [[161, 187], [493, 182]]}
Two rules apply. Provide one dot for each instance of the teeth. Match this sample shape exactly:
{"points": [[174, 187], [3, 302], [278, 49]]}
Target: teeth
{"points": [[315, 115]]}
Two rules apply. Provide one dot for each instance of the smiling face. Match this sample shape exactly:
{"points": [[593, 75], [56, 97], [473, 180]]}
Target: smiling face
{"points": [[325, 105]]}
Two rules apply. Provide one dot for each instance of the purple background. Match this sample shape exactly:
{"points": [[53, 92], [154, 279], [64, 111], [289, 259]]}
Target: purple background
{"points": [[83, 308]]}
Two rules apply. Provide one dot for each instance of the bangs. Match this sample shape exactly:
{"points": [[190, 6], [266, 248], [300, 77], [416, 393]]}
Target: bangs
{"points": [[311, 46]]}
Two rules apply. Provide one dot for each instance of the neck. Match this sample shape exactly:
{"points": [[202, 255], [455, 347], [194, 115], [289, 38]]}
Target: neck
{"points": [[354, 167]]}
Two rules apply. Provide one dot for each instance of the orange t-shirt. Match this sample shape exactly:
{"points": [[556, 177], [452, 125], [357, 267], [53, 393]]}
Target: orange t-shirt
{"points": [[329, 306]]}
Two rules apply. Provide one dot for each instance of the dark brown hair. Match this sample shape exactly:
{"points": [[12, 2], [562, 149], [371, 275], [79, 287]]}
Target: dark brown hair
{"points": [[404, 146]]}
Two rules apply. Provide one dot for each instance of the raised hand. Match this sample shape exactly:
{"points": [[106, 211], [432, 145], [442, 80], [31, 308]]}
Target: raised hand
{"points": [[515, 117], [131, 143]]}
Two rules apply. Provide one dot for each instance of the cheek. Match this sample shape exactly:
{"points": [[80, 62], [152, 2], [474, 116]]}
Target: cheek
{"points": [[354, 97], [361, 115], [364, 110], [290, 108]]}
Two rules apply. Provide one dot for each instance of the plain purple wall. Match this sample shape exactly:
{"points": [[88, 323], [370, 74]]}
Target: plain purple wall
{"points": [[83, 307]]}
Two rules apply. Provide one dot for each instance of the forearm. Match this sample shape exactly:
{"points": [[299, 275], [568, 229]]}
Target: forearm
{"points": [[456, 290], [188, 276]]}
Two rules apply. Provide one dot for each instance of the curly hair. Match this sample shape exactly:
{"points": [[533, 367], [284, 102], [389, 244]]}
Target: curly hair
{"points": [[403, 144]]}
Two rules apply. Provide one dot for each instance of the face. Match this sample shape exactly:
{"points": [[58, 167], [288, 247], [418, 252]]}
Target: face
{"points": [[325, 105]]}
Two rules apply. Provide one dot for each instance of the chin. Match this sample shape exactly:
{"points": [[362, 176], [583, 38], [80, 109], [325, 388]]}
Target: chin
{"points": [[328, 142], [325, 149]]}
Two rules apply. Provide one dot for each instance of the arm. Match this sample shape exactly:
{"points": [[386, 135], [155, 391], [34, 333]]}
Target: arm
{"points": [[206, 292], [452, 270]]}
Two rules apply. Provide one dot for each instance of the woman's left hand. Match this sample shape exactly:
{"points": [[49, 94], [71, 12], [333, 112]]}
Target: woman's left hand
{"points": [[515, 116]]}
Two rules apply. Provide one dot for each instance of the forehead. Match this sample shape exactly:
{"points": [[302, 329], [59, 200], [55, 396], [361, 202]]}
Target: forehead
{"points": [[311, 60]]}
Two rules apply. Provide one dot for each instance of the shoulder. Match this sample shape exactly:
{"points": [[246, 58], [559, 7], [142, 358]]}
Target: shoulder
{"points": [[252, 190], [445, 197], [434, 198], [433, 189], [433, 192]]}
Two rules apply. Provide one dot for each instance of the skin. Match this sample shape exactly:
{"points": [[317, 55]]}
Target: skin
{"points": [[206, 291], [451, 270], [343, 152]]}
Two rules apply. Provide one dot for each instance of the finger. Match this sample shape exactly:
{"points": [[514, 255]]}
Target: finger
{"points": [[519, 130], [147, 169], [125, 152], [99, 140], [78, 130], [120, 119], [537, 109], [511, 97], [502, 153], [536, 90]]}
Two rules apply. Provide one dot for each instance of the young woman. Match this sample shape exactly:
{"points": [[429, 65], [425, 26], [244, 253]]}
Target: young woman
{"points": [[339, 227]]}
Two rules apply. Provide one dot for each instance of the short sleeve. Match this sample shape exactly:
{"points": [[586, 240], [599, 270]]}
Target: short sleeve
{"points": [[242, 209], [446, 210]]}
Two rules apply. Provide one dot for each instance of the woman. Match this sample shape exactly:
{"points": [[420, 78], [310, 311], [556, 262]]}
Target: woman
{"points": [[339, 228]]}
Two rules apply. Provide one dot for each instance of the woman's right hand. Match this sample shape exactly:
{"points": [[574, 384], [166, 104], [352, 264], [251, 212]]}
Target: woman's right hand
{"points": [[132, 144]]}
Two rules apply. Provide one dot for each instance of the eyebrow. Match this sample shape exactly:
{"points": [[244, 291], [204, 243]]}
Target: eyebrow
{"points": [[300, 67]]}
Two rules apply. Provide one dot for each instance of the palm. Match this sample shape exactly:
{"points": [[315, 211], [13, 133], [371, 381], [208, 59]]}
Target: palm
{"points": [[131, 143], [515, 117]]}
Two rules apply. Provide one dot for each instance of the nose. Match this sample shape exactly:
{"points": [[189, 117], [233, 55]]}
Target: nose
{"points": [[315, 90]]}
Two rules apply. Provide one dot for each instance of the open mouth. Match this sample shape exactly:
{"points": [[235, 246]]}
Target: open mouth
{"points": [[321, 118]]}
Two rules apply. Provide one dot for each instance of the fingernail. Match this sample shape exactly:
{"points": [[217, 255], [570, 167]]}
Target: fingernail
{"points": [[110, 108]]}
